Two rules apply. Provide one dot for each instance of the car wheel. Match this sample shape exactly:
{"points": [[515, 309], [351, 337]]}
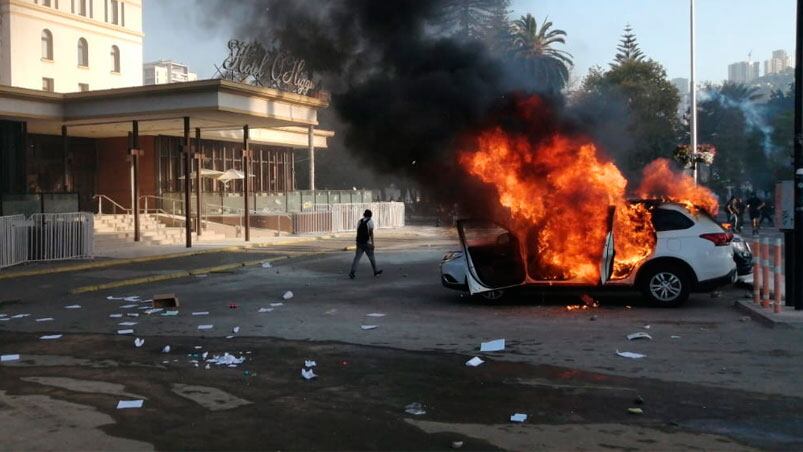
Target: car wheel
{"points": [[494, 295], [666, 285]]}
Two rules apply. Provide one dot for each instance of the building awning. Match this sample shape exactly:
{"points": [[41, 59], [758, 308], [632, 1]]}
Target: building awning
{"points": [[220, 108]]}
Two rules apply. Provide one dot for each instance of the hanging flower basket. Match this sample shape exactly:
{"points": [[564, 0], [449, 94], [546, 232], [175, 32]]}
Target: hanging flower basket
{"points": [[684, 155]]}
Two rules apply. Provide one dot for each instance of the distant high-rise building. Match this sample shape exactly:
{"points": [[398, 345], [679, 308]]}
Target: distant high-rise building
{"points": [[743, 72], [166, 71], [779, 61]]}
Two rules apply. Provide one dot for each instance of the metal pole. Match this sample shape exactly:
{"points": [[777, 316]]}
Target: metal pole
{"points": [[199, 160], [797, 258], [311, 142], [135, 164], [693, 96], [187, 166], [65, 148], [246, 160]]}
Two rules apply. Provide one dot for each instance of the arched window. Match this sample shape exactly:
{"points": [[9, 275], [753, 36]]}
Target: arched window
{"points": [[115, 59], [47, 44], [83, 53]]}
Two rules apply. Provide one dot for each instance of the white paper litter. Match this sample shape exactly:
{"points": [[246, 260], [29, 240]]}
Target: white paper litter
{"points": [[45, 319], [4, 358], [415, 408], [369, 327], [154, 310], [630, 355], [235, 330], [518, 417], [674, 337], [229, 337], [266, 265], [166, 349], [124, 404], [330, 312], [110, 298], [265, 309], [125, 331], [288, 295], [115, 316], [73, 306], [638, 335], [204, 327], [474, 362], [308, 374], [201, 313], [310, 364], [375, 314], [50, 337], [647, 327], [169, 313], [275, 305], [132, 314], [493, 346], [127, 323], [225, 360], [19, 316], [132, 299], [128, 306], [139, 342]]}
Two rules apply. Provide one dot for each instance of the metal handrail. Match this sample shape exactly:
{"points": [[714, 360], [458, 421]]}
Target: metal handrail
{"points": [[100, 199]]}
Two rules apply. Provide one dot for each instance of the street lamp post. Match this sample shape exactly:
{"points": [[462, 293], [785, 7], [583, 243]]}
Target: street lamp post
{"points": [[693, 96]]}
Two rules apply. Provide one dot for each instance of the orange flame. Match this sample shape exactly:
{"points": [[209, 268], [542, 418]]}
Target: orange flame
{"points": [[558, 191], [660, 181]]}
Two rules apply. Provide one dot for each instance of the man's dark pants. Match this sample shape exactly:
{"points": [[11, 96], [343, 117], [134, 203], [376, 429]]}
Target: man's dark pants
{"points": [[363, 248]]}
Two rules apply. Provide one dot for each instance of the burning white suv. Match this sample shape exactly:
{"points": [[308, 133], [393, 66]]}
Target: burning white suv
{"points": [[692, 254]]}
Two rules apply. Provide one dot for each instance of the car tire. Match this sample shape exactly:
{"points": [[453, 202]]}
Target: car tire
{"points": [[666, 285], [493, 296]]}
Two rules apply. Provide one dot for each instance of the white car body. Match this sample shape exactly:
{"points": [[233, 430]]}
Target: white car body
{"points": [[706, 264]]}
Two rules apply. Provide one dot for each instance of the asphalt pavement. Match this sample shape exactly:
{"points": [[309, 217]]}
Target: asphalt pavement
{"points": [[711, 378]]}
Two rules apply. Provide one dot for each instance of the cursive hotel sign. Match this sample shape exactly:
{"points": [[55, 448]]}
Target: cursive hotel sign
{"points": [[250, 62]]}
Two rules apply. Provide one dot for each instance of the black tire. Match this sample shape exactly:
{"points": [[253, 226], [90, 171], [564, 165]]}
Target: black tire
{"points": [[492, 296], [666, 285]]}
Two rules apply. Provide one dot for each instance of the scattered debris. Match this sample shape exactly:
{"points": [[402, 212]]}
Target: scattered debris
{"points": [[132, 314], [589, 301], [153, 310], [496, 345], [205, 327], [265, 309], [139, 342], [115, 316], [165, 300], [288, 295], [50, 337], [310, 364], [415, 408], [474, 362], [635, 411], [266, 265], [132, 299], [73, 306], [229, 337], [19, 316], [628, 307], [457, 444], [638, 335], [125, 331], [647, 327], [204, 355], [169, 313], [630, 355], [375, 314], [745, 318], [45, 319], [6, 358], [330, 312], [204, 275], [518, 417], [127, 323], [201, 313], [276, 305], [369, 327], [124, 404], [166, 349], [128, 306], [235, 330], [308, 374], [225, 359]]}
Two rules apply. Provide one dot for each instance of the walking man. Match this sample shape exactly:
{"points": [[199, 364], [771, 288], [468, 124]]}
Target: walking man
{"points": [[754, 206], [365, 243]]}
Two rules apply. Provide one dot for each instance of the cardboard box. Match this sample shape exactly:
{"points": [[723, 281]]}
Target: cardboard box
{"points": [[165, 300]]}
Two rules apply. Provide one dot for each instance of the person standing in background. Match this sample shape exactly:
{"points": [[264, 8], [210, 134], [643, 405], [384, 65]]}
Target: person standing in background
{"points": [[754, 207]]}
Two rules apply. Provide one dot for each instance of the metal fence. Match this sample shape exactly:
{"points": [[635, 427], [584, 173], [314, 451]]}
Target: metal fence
{"points": [[46, 237], [344, 217]]}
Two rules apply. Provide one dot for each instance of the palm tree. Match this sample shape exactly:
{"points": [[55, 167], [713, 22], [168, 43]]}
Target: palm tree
{"points": [[533, 47]]}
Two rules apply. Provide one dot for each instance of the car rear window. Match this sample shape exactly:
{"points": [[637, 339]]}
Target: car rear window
{"points": [[670, 220]]}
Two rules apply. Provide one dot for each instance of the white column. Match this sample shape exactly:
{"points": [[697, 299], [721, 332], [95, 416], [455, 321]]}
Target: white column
{"points": [[311, 141], [693, 96]]}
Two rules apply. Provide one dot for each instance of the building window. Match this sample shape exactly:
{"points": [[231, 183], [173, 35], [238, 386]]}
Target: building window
{"points": [[83, 87], [115, 12], [46, 3], [122, 14], [47, 45], [79, 7], [47, 84], [115, 59], [83, 53]]}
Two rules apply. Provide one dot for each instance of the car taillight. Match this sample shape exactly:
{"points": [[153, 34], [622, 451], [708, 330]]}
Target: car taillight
{"points": [[719, 238]]}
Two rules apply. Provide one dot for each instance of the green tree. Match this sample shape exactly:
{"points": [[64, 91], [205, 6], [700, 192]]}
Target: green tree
{"points": [[533, 48], [632, 110], [499, 30], [628, 50], [469, 19]]}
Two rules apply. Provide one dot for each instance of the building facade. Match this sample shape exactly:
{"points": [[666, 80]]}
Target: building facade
{"points": [[780, 60], [70, 45], [166, 71], [743, 72]]}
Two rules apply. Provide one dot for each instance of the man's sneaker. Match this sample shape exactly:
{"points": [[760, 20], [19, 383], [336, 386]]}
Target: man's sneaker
{"points": [[378, 272], [351, 275]]}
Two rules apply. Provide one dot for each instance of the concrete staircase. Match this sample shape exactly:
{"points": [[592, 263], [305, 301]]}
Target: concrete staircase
{"points": [[117, 230]]}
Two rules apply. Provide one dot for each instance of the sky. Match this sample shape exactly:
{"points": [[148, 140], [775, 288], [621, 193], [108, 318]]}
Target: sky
{"points": [[727, 30]]}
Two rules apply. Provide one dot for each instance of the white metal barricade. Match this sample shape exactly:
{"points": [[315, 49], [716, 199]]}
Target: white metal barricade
{"points": [[344, 217], [46, 237], [13, 240]]}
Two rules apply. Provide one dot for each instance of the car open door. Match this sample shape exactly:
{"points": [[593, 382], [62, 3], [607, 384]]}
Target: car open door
{"points": [[493, 256], [608, 250]]}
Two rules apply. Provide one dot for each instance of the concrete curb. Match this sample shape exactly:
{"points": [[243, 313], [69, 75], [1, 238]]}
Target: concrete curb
{"points": [[765, 316], [174, 275]]}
